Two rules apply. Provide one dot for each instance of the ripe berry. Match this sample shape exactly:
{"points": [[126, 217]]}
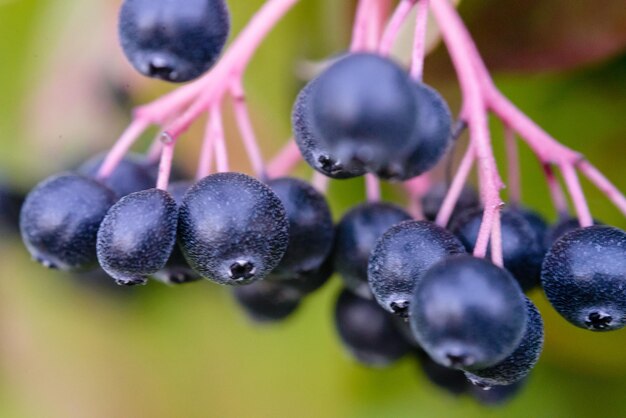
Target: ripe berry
{"points": [[562, 227], [173, 40], [60, 218], [516, 366], [401, 257], [314, 151], [265, 301], [306, 282], [356, 236], [433, 199], [537, 223], [311, 229], [137, 236], [468, 313], [451, 380], [364, 109], [10, 205], [233, 229], [131, 175], [584, 277], [521, 249], [367, 331]]}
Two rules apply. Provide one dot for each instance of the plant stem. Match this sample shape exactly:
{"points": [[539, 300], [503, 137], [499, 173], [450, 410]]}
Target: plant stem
{"points": [[513, 166], [246, 130], [456, 187], [398, 18], [419, 40]]}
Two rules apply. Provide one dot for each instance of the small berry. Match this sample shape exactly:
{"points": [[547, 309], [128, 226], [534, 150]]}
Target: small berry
{"points": [[307, 282], [10, 206], [452, 381], [131, 174], [433, 199], [60, 218], [265, 301]]}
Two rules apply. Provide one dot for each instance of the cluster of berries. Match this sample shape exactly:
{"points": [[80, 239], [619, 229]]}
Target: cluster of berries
{"points": [[410, 285]]}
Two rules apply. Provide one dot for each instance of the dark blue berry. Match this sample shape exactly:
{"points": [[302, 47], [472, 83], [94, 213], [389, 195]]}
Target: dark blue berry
{"points": [[131, 175], [233, 229], [173, 40], [433, 199], [562, 227], [314, 151], [356, 236], [402, 256], [311, 229], [367, 331], [516, 366], [307, 282], [451, 380], [468, 313], [537, 223], [584, 277], [60, 218], [265, 301], [10, 204], [521, 249], [137, 236]]}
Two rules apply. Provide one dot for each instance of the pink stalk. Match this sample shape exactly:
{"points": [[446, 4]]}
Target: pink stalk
{"points": [[245, 128], [219, 141], [206, 153], [417, 188], [602, 183], [456, 187], [320, 182], [395, 24], [496, 241], [556, 192], [165, 167], [419, 40], [154, 152], [360, 26], [372, 187], [121, 147], [456, 38], [286, 160], [578, 197], [513, 165]]}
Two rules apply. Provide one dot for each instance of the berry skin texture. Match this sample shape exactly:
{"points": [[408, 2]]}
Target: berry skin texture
{"points": [[265, 302], [137, 236], [313, 150], [468, 313], [131, 175], [584, 277], [173, 40], [368, 332], [433, 200], [356, 236], [311, 229], [521, 248], [60, 218], [233, 229], [402, 256], [519, 364]]}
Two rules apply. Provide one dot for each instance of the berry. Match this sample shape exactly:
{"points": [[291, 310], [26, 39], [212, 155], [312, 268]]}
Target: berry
{"points": [[265, 301], [468, 313], [60, 218], [363, 108], [431, 138], [131, 174], [233, 229], [562, 227], [173, 40], [177, 270], [401, 257], [137, 236], [521, 249], [311, 229], [367, 331], [516, 366], [537, 223], [314, 151], [307, 282], [356, 236], [584, 277], [10, 205], [433, 199], [497, 395], [451, 380]]}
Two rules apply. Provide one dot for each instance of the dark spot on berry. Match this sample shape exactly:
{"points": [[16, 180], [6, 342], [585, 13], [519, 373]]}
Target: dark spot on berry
{"points": [[400, 308], [598, 321], [242, 270]]}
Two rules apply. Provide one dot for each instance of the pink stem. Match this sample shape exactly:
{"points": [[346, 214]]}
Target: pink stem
{"points": [[456, 187], [360, 26], [286, 160], [496, 241], [419, 40], [165, 167], [395, 24], [372, 187], [206, 153], [556, 192], [247, 131], [121, 147], [154, 152], [320, 182], [514, 174], [457, 38], [217, 133], [602, 183], [577, 194], [417, 188]]}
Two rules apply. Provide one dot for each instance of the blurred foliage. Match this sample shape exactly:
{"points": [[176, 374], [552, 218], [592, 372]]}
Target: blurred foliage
{"points": [[76, 349]]}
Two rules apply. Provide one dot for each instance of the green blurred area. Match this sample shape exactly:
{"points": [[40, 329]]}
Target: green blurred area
{"points": [[75, 350]]}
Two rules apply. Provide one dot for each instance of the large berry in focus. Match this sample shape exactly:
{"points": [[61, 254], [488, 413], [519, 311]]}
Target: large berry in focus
{"points": [[233, 229], [60, 218], [584, 277], [173, 40]]}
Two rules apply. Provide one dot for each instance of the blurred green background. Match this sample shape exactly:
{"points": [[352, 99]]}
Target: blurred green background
{"points": [[72, 349]]}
